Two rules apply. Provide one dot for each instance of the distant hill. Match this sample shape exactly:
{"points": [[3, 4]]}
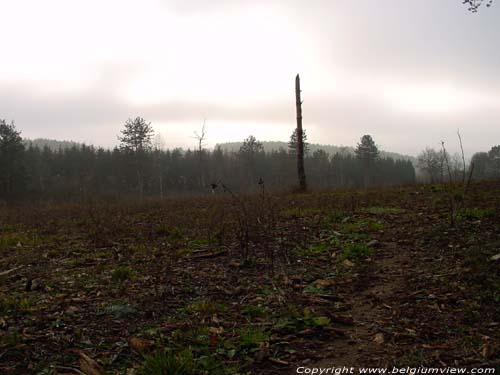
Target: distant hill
{"points": [[330, 149], [50, 143], [231, 146]]}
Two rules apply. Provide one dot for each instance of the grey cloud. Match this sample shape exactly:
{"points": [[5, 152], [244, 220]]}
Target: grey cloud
{"points": [[336, 120], [424, 41]]}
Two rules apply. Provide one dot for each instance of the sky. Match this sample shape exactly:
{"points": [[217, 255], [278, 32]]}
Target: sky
{"points": [[409, 73]]}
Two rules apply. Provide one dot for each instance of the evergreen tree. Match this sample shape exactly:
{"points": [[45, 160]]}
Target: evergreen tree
{"points": [[250, 148], [249, 153], [12, 172], [137, 139], [292, 144], [366, 149], [137, 135], [368, 153]]}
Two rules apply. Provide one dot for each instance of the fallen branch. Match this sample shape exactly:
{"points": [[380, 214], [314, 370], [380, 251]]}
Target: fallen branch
{"points": [[278, 361], [212, 254], [70, 369], [10, 271]]}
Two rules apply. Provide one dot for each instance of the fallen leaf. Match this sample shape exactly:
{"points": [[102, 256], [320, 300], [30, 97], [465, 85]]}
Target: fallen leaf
{"points": [[488, 350], [89, 366], [495, 257], [348, 263], [140, 345], [342, 319], [263, 352], [321, 321], [216, 330], [322, 283], [379, 338]]}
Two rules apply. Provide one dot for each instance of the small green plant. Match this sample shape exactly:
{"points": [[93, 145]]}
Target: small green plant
{"points": [[251, 338], [336, 217], [255, 311], [123, 273], [15, 303], [162, 230], [204, 307], [196, 337], [384, 210], [475, 213], [318, 248], [376, 226], [183, 363], [314, 249], [311, 320], [199, 242], [174, 234], [355, 250], [299, 319], [11, 338], [10, 240], [301, 212], [121, 310], [357, 227], [169, 363], [311, 289], [334, 241]]}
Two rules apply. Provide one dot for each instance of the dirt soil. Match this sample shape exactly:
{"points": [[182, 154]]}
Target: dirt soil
{"points": [[252, 285]]}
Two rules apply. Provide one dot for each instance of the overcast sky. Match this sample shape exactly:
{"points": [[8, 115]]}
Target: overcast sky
{"points": [[410, 73]]}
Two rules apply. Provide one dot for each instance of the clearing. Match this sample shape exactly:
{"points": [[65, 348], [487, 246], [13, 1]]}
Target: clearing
{"points": [[251, 285]]}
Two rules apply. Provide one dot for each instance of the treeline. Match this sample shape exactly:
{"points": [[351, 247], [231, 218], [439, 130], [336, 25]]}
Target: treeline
{"points": [[487, 164], [85, 171], [270, 146], [438, 166], [81, 171]]}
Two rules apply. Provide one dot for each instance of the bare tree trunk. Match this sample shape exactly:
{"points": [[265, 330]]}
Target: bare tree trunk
{"points": [[201, 139], [140, 182], [300, 140], [161, 187]]}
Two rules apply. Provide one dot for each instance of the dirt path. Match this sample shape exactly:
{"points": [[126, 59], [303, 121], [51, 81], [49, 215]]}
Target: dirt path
{"points": [[373, 308]]}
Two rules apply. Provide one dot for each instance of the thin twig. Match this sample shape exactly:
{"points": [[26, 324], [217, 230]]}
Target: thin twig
{"points": [[463, 156], [10, 271]]}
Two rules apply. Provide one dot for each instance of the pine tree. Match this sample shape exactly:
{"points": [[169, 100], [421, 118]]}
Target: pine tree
{"points": [[137, 135], [137, 139], [293, 144], [12, 176], [368, 153], [248, 154]]}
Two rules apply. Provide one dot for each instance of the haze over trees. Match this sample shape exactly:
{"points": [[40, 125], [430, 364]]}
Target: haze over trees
{"points": [[431, 162], [67, 170], [139, 169], [487, 164]]}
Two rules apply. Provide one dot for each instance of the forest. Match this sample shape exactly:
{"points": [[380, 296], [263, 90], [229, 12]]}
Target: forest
{"points": [[77, 172]]}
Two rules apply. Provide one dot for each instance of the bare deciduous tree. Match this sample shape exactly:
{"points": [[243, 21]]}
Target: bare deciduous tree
{"points": [[475, 4], [201, 137]]}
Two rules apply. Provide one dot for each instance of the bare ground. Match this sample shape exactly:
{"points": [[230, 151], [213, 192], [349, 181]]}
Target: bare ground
{"points": [[376, 278]]}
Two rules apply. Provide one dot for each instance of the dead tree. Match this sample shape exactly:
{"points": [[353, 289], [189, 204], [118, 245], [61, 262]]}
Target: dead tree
{"points": [[201, 137], [300, 138]]}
